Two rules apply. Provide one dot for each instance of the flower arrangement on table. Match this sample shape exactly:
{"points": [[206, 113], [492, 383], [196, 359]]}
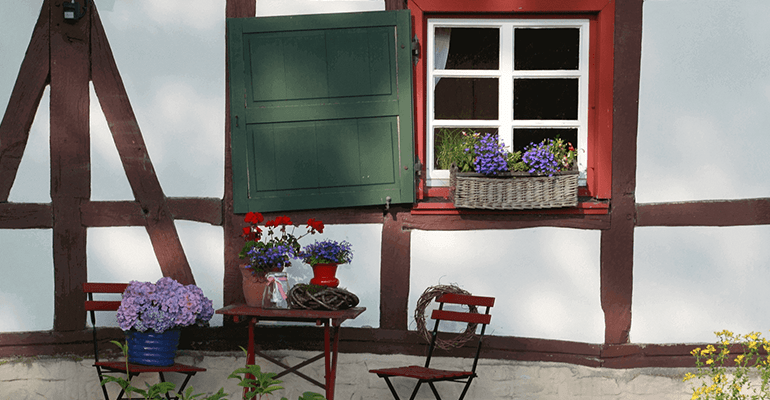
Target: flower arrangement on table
{"points": [[161, 306], [483, 153], [484, 174], [279, 246], [725, 371], [327, 252]]}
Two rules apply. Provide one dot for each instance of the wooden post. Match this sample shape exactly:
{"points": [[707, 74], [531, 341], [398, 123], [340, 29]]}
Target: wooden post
{"points": [[70, 162], [617, 243], [232, 223]]}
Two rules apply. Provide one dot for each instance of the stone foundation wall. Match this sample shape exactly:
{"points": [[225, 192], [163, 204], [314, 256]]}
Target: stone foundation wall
{"points": [[65, 378]]}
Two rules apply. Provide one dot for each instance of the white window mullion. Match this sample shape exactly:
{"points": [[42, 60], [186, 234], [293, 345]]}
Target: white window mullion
{"points": [[505, 113]]}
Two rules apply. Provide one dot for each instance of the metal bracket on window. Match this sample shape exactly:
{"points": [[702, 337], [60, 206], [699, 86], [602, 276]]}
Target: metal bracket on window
{"points": [[415, 50], [417, 166]]}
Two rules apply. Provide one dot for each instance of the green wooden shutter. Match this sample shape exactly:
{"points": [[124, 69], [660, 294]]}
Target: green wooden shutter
{"points": [[321, 109]]}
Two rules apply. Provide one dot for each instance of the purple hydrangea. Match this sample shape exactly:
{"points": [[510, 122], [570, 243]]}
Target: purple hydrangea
{"points": [[161, 306]]}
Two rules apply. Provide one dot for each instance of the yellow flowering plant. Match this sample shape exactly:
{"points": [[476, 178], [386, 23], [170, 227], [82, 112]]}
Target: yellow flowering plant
{"points": [[725, 370]]}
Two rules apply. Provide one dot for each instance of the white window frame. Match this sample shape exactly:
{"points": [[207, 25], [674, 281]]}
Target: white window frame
{"points": [[505, 75]]}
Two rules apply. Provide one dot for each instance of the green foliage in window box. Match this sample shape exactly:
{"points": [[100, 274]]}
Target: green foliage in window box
{"points": [[482, 153]]}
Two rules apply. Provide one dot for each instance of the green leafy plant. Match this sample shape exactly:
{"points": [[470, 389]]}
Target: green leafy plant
{"points": [[152, 392], [263, 383], [725, 370], [157, 391], [451, 145], [257, 382]]}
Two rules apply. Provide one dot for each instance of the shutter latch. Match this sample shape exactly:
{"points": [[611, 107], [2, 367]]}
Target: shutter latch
{"points": [[387, 203], [415, 50]]}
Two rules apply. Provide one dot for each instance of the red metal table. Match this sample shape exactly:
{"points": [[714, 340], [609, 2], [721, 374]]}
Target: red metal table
{"points": [[331, 321]]}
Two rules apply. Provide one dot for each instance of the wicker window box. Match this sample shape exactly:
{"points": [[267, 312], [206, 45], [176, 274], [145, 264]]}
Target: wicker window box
{"points": [[513, 190]]}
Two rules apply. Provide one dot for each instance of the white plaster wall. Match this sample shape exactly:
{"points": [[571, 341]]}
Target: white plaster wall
{"points": [[545, 280]]}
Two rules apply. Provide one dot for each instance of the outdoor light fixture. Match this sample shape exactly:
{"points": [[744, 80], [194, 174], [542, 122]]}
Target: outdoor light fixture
{"points": [[73, 12]]}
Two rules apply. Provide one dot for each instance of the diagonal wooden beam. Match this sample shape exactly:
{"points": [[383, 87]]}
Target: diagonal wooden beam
{"points": [[117, 109], [25, 98]]}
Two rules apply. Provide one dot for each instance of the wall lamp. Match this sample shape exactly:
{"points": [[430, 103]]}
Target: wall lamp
{"points": [[73, 12]]}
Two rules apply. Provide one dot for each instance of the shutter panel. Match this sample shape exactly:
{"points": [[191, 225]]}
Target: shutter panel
{"points": [[321, 109]]}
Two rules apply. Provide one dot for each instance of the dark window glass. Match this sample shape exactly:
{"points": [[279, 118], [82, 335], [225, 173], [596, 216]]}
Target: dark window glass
{"points": [[469, 48], [522, 137], [445, 141], [549, 49], [466, 98], [545, 98]]}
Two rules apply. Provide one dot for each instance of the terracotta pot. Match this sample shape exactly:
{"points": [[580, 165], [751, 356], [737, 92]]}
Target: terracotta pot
{"points": [[253, 287], [323, 274]]}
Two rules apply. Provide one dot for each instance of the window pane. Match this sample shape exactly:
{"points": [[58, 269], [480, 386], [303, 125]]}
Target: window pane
{"points": [[549, 49], [545, 99], [466, 98], [467, 48], [447, 141], [522, 137]]}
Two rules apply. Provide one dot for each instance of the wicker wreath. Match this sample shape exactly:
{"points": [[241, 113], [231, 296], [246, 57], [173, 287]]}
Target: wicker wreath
{"points": [[316, 297], [431, 294]]}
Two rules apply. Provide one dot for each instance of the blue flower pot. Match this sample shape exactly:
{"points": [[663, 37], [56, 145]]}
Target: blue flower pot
{"points": [[150, 348]]}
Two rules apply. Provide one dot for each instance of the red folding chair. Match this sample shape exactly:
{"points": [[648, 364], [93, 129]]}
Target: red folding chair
{"points": [[426, 374], [119, 367]]}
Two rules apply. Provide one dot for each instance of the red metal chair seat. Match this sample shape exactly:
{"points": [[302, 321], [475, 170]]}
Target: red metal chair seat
{"points": [[119, 367], [428, 375]]}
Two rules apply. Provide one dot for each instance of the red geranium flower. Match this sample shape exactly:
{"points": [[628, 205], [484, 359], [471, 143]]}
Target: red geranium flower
{"points": [[254, 217], [315, 225], [283, 220]]}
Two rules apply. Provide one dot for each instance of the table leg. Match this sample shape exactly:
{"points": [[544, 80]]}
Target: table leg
{"points": [[328, 363], [250, 358], [250, 350], [335, 352]]}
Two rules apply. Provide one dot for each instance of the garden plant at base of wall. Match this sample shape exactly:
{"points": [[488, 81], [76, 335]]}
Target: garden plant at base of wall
{"points": [[156, 391], [483, 174], [158, 310], [726, 369], [253, 378]]}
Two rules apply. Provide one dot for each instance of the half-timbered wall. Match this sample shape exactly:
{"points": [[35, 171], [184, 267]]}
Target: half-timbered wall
{"points": [[73, 68]]}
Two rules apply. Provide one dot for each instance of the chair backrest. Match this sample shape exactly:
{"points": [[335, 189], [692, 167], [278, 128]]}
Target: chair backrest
{"points": [[91, 288], [472, 316]]}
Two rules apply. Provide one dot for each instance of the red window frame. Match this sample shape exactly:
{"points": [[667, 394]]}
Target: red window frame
{"points": [[601, 14]]}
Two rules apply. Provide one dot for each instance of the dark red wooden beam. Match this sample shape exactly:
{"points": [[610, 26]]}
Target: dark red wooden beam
{"points": [[705, 213], [26, 216], [23, 103], [617, 243], [395, 273], [129, 213], [140, 172], [70, 163], [232, 223], [504, 221]]}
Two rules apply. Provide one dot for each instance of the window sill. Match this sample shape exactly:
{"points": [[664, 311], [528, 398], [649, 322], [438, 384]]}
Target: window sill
{"points": [[438, 202]]}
